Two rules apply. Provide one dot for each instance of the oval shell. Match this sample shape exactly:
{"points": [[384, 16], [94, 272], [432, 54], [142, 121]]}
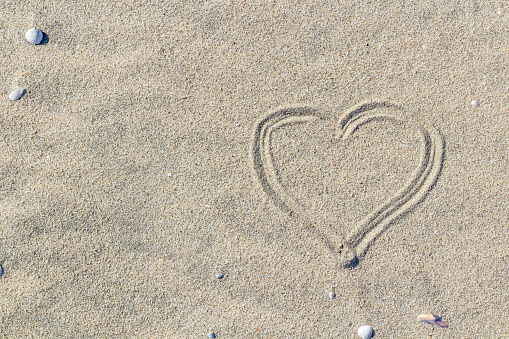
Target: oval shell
{"points": [[433, 320], [33, 36], [365, 331], [17, 94]]}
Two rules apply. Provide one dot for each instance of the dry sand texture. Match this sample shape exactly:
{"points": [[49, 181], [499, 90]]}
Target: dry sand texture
{"points": [[130, 175]]}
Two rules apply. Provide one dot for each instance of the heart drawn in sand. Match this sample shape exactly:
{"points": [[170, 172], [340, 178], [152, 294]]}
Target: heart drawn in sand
{"points": [[357, 241]]}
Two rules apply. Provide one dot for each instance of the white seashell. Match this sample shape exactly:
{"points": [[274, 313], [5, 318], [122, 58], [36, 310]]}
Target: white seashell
{"points": [[433, 320], [365, 331], [34, 36], [17, 94]]}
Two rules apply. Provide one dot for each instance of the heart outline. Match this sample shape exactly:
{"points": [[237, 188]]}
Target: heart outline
{"points": [[357, 241]]}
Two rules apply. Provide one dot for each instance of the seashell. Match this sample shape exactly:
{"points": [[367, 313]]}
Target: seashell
{"points": [[33, 36], [433, 320], [365, 331], [17, 94]]}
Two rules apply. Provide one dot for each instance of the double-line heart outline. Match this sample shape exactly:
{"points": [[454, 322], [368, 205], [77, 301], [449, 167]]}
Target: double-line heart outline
{"points": [[371, 226]]}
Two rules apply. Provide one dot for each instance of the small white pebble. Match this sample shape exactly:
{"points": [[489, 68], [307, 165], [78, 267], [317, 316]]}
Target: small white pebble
{"points": [[33, 36], [365, 331], [332, 295], [219, 276], [238, 125], [17, 94], [169, 174], [211, 335], [1, 271], [474, 103]]}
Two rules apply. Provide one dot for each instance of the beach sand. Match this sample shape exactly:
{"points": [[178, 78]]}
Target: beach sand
{"points": [[138, 166]]}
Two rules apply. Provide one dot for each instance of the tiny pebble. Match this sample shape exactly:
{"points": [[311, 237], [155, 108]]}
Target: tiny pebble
{"points": [[220, 276], [17, 94], [33, 36], [474, 103], [332, 295], [212, 335], [1, 271], [365, 331]]}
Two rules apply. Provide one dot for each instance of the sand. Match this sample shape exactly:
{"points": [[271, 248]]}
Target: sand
{"points": [[129, 179]]}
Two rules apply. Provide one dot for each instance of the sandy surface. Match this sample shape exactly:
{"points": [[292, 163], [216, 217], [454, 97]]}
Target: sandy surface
{"points": [[128, 178]]}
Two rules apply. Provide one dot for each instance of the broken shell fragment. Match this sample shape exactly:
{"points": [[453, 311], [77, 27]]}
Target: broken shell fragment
{"points": [[433, 320]]}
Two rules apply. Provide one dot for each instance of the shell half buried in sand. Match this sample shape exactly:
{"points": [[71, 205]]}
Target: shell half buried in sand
{"points": [[433, 320]]}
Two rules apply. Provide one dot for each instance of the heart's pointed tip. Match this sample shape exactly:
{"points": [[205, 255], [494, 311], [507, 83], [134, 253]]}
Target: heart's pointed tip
{"points": [[349, 259]]}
